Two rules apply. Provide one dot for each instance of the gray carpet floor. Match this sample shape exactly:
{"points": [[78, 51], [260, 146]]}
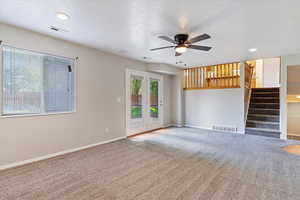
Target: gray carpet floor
{"points": [[175, 163]]}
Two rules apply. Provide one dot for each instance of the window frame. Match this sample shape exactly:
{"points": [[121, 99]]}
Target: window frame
{"points": [[43, 112]]}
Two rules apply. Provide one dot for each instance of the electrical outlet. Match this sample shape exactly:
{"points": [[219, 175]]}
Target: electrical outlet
{"points": [[119, 99], [106, 130]]}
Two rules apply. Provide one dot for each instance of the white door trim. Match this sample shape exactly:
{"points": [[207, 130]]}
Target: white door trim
{"points": [[147, 76]]}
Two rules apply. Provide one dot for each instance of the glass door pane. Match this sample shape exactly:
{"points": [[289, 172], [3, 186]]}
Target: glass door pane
{"points": [[136, 97], [154, 107]]}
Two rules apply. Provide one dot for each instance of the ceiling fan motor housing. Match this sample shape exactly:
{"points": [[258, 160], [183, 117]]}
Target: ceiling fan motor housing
{"points": [[181, 38]]}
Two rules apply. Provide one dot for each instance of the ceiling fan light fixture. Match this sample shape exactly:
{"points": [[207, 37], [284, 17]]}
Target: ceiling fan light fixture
{"points": [[62, 16], [181, 49]]}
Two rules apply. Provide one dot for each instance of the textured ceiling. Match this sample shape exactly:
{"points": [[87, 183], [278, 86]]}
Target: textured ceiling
{"points": [[130, 27]]}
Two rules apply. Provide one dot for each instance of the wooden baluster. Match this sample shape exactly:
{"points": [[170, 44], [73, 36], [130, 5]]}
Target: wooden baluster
{"points": [[186, 84], [246, 75], [233, 82], [198, 77], [222, 76], [191, 70], [205, 77], [231, 74], [226, 74], [201, 77], [194, 75], [216, 76], [208, 76], [199, 74], [184, 79], [192, 85], [188, 78], [234, 73], [213, 84], [219, 76], [195, 78], [239, 75], [191, 79]]}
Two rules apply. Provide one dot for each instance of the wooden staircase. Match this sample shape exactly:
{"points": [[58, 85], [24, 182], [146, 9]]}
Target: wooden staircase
{"points": [[263, 114]]}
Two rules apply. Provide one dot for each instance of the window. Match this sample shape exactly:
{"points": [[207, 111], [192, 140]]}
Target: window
{"points": [[136, 97], [35, 83]]}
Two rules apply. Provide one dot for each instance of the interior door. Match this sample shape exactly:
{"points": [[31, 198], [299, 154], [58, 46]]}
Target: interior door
{"points": [[144, 107]]}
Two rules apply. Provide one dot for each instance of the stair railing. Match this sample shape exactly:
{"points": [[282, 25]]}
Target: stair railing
{"points": [[249, 71], [220, 76]]}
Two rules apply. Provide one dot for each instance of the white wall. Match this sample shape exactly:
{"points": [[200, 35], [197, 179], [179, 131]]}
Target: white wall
{"points": [[271, 71], [167, 100], [293, 119], [216, 107], [178, 104], [293, 108], [100, 81], [293, 80], [206, 108], [163, 68], [268, 73], [289, 60], [259, 73]]}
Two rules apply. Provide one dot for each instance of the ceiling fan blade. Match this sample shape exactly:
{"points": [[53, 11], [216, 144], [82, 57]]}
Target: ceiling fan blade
{"points": [[178, 54], [199, 38], [203, 48], [166, 38], [167, 47]]}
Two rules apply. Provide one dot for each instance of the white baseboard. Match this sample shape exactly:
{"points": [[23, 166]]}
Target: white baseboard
{"points": [[283, 137], [20, 163], [199, 127], [167, 125], [176, 125]]}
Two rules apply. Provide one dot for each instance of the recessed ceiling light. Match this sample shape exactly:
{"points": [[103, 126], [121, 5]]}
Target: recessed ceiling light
{"points": [[252, 49], [62, 16]]}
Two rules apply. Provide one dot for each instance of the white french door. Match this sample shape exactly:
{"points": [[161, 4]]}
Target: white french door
{"points": [[144, 101]]}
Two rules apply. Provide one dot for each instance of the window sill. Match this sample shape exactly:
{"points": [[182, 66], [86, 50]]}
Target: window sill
{"points": [[37, 115]]}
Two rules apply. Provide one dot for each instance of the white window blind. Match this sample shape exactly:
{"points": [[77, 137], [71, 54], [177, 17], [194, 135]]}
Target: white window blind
{"points": [[35, 83]]}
